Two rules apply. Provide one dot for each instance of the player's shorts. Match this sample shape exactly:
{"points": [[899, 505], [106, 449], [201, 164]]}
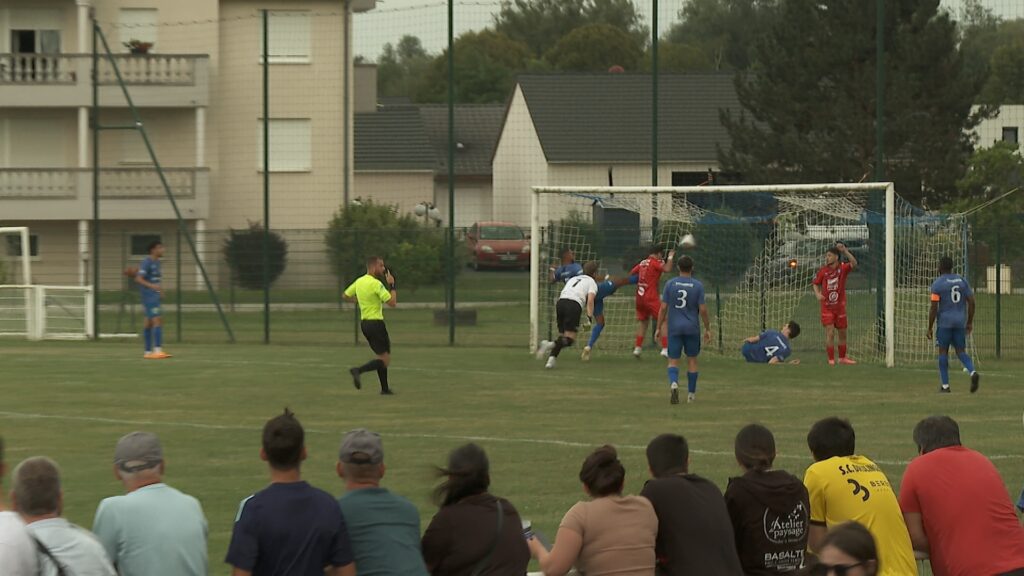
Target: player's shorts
{"points": [[834, 316], [151, 308], [648, 310], [377, 337], [568, 314], [679, 343], [947, 337], [749, 352]]}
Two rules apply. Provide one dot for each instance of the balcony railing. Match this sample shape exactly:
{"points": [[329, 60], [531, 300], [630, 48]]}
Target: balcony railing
{"points": [[136, 69], [119, 183]]}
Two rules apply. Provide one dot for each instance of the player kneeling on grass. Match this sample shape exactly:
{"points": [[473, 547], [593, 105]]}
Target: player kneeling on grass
{"points": [[771, 346], [953, 305], [681, 303], [148, 279], [604, 290], [579, 292]]}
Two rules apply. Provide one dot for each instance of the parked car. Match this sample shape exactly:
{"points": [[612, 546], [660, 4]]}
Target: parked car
{"points": [[498, 245]]}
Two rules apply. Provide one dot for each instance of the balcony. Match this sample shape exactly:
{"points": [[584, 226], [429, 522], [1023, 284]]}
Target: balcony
{"points": [[63, 80], [125, 193]]}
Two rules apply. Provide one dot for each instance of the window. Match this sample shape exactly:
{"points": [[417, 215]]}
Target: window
{"points": [[35, 41], [14, 245], [289, 34], [138, 24], [140, 243], [291, 144], [1011, 134]]}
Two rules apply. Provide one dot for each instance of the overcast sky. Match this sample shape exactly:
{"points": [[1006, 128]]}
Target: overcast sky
{"points": [[428, 19]]}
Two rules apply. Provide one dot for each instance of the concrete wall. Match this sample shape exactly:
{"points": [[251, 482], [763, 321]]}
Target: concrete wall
{"points": [[473, 201], [402, 189], [365, 86], [991, 131], [519, 163]]}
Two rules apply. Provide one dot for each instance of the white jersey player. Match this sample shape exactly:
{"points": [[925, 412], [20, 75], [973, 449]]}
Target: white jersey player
{"points": [[579, 293]]}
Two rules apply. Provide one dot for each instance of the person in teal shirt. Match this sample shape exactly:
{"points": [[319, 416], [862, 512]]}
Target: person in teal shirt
{"points": [[153, 530], [384, 527]]}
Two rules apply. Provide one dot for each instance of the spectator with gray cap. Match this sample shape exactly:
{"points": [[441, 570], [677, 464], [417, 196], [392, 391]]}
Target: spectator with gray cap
{"points": [[64, 549], [384, 527], [154, 529], [17, 552]]}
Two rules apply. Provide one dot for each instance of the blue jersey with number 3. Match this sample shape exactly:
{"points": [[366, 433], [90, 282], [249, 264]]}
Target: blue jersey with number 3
{"points": [[952, 291], [684, 296]]}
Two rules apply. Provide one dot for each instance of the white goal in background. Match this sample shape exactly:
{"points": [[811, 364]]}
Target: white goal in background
{"points": [[758, 248], [33, 311]]}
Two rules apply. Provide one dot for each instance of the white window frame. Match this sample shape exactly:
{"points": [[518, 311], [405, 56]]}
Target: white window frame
{"points": [[147, 31], [282, 144], [299, 46], [16, 253]]}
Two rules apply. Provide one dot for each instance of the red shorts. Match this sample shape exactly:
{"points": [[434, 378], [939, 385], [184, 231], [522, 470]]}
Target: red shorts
{"points": [[835, 316], [648, 310]]}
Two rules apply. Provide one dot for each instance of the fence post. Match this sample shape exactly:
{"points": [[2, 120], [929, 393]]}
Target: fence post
{"points": [[451, 172], [266, 176], [177, 285], [999, 293]]}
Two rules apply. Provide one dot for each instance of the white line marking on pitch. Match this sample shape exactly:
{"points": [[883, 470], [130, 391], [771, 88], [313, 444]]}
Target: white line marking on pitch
{"points": [[462, 438]]}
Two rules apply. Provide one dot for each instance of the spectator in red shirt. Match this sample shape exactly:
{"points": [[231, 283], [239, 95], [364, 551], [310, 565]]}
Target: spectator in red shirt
{"points": [[957, 508]]}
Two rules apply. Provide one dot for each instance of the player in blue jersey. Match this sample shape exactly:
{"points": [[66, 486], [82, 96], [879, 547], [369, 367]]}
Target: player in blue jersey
{"points": [[148, 279], [604, 290], [682, 303], [569, 267], [771, 346], [953, 306]]}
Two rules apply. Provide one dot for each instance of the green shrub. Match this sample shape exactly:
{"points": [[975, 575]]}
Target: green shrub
{"points": [[243, 250]]}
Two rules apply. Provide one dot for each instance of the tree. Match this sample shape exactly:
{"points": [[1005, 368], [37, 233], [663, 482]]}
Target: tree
{"points": [[1005, 83], [675, 57], [243, 250], [540, 24], [993, 172], [725, 31], [809, 98], [486, 64], [595, 48], [400, 68]]}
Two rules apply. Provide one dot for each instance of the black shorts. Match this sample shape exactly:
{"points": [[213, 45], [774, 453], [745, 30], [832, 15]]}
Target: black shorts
{"points": [[376, 334], [568, 313]]}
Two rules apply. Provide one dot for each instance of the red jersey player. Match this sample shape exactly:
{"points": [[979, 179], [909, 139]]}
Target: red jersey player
{"points": [[830, 289], [648, 295]]}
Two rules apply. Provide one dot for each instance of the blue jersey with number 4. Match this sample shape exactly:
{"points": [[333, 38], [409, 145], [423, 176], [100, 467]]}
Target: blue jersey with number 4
{"points": [[149, 271], [951, 291], [771, 344], [684, 296]]}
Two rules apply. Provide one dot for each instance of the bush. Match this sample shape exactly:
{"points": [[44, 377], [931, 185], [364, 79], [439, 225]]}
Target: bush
{"points": [[243, 250]]}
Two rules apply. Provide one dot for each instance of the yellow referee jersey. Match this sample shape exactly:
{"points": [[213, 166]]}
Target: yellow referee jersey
{"points": [[371, 295]]}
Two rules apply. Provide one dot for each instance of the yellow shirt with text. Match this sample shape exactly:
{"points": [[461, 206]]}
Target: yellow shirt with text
{"points": [[371, 294]]}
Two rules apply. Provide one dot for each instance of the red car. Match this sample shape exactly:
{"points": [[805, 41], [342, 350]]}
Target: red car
{"points": [[498, 245]]}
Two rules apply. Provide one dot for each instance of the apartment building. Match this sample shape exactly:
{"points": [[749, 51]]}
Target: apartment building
{"points": [[195, 76]]}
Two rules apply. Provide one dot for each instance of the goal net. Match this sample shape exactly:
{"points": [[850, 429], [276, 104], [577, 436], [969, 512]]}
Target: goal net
{"points": [[33, 311], [758, 249]]}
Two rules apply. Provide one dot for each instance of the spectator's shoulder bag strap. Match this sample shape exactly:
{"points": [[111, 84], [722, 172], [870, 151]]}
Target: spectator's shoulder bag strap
{"points": [[49, 556], [486, 562]]}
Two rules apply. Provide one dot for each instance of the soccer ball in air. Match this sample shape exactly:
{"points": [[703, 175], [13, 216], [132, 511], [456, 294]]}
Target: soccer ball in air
{"points": [[688, 242]]}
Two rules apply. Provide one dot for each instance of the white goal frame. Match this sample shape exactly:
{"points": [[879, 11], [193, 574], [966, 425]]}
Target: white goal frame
{"points": [[890, 235]]}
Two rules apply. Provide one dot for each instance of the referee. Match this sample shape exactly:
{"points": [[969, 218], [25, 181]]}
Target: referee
{"points": [[372, 295]]}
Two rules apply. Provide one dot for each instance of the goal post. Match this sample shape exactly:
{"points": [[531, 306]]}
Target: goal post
{"points": [[757, 250]]}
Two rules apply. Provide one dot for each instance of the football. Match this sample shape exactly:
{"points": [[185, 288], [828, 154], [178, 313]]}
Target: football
{"points": [[131, 271], [688, 241]]}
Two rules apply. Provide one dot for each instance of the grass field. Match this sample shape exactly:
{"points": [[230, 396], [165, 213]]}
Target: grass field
{"points": [[72, 401]]}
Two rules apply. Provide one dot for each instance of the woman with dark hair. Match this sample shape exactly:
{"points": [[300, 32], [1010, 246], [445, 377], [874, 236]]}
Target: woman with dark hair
{"points": [[610, 534], [848, 550], [769, 508], [474, 533]]}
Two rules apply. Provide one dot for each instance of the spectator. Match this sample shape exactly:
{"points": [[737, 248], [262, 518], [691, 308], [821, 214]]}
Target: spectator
{"points": [[17, 551], [847, 550], [844, 486], [768, 508], [694, 532], [153, 530], [289, 528], [384, 527], [473, 532], [610, 534], [64, 547], [965, 532]]}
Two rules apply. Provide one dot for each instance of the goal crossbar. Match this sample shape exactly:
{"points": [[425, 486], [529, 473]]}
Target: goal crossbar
{"points": [[607, 191]]}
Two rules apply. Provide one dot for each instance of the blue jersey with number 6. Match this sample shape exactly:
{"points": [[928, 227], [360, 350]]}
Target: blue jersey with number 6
{"points": [[684, 296], [951, 292]]}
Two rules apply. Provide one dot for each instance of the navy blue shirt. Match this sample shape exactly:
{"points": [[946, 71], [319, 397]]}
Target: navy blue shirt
{"points": [[951, 292], [149, 270], [567, 271], [289, 529], [684, 296], [772, 344]]}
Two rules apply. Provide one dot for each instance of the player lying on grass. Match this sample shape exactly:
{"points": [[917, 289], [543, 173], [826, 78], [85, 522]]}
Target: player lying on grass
{"points": [[953, 306], [579, 294], [771, 346], [604, 290]]}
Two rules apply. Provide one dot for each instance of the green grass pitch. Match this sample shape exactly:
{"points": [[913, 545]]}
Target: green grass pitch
{"points": [[72, 401]]}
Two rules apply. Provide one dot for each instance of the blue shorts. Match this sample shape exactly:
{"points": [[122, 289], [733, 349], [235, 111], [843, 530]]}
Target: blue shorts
{"points": [[955, 337], [151, 308], [680, 342], [749, 352]]}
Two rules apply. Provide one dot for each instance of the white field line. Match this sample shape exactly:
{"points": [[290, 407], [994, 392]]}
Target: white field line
{"points": [[454, 437]]}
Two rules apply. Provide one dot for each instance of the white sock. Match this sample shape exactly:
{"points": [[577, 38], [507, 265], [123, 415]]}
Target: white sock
{"points": [[158, 350], [675, 385]]}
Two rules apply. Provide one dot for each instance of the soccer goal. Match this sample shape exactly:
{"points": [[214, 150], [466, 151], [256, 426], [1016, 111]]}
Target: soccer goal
{"points": [[758, 249], [33, 311]]}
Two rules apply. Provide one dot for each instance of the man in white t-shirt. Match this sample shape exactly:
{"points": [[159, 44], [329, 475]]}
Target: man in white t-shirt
{"points": [[62, 545], [17, 552], [579, 293]]}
